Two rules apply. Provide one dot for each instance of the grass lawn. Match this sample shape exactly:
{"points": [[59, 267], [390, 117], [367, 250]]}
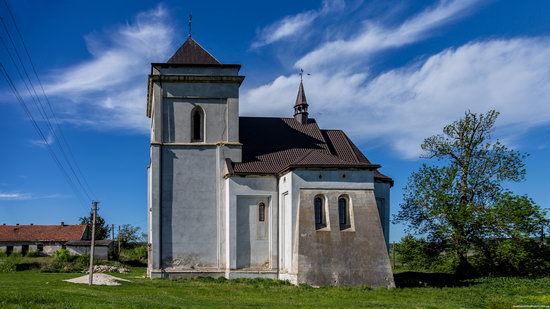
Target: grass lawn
{"points": [[35, 289]]}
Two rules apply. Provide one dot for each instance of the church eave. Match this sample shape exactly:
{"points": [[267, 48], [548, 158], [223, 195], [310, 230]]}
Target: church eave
{"points": [[197, 65]]}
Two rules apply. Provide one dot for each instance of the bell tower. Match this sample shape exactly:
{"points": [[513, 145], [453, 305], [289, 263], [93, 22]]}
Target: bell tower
{"points": [[301, 106], [193, 105]]}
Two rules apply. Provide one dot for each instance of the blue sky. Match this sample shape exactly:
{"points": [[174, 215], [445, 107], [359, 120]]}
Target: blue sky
{"points": [[389, 73]]}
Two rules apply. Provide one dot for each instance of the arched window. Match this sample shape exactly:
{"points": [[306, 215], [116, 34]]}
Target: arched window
{"points": [[197, 125], [319, 212], [261, 212], [343, 213]]}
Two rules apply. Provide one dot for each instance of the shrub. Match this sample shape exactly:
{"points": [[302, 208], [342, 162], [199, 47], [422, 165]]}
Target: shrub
{"points": [[62, 255], [423, 255], [33, 254], [134, 256], [64, 262], [7, 265], [505, 257]]}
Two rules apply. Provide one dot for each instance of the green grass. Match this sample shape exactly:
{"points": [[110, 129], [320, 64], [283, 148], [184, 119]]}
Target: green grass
{"points": [[35, 289]]}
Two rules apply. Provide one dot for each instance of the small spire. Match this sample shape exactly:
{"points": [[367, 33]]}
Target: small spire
{"points": [[190, 25], [301, 106]]}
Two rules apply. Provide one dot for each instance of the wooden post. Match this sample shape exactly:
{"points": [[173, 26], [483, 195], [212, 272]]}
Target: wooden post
{"points": [[393, 254], [92, 248], [119, 239]]}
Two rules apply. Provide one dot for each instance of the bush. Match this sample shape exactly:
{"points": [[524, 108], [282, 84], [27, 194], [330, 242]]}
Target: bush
{"points": [[134, 256], [423, 255], [32, 254], [505, 257], [63, 261], [7, 265], [62, 255]]}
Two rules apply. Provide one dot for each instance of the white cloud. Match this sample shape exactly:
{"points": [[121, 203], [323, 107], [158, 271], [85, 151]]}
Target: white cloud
{"points": [[109, 90], [373, 37], [23, 196], [14, 196], [49, 140], [403, 106], [294, 24]]}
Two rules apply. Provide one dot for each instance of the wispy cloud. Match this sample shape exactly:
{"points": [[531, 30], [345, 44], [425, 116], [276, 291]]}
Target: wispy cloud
{"points": [[49, 140], [21, 196], [292, 25], [403, 106], [108, 90], [14, 196], [374, 37]]}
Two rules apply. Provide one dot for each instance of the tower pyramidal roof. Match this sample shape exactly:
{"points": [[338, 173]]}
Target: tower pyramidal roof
{"points": [[192, 52], [301, 98]]}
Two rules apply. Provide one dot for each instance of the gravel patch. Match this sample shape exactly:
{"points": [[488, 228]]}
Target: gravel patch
{"points": [[99, 279]]}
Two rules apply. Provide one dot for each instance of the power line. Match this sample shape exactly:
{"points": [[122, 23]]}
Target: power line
{"points": [[63, 139], [62, 144], [37, 101], [39, 131]]}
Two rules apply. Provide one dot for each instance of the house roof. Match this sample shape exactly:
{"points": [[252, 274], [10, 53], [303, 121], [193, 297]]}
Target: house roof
{"points": [[192, 52], [275, 145], [42, 232]]}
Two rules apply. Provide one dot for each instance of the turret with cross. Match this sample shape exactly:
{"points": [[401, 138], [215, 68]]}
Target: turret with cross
{"points": [[301, 106]]}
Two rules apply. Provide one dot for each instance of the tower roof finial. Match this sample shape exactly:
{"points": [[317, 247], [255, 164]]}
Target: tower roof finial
{"points": [[302, 75], [190, 24]]}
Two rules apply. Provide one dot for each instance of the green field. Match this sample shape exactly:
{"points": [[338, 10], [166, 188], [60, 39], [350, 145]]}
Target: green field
{"points": [[36, 289]]}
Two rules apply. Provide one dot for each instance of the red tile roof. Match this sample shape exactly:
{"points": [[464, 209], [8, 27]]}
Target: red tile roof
{"points": [[42, 232], [274, 145], [192, 53]]}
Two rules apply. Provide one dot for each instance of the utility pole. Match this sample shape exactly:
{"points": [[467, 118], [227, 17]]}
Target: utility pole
{"points": [[393, 254], [112, 232], [119, 240], [92, 249]]}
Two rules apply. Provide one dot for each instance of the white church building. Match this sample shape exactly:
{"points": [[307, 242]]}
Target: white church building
{"points": [[252, 197]]}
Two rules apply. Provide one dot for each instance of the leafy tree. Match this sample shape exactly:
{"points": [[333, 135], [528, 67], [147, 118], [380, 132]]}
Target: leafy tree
{"points": [[102, 229], [460, 201], [129, 234]]}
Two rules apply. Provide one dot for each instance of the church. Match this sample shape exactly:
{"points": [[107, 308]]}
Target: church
{"points": [[256, 197]]}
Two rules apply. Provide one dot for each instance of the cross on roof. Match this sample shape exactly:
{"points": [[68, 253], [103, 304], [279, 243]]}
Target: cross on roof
{"points": [[301, 74]]}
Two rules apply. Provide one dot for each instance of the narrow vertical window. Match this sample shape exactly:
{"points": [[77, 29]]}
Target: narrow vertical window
{"points": [[197, 125], [343, 213], [261, 212], [319, 215]]}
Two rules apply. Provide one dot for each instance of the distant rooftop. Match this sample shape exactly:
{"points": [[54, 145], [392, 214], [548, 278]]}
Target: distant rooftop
{"points": [[59, 232]]}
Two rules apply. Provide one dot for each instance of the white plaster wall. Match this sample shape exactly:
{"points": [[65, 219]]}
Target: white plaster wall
{"points": [[250, 186], [382, 190]]}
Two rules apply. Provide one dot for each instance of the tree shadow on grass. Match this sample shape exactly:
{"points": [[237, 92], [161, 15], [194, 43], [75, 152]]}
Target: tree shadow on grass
{"points": [[411, 279]]}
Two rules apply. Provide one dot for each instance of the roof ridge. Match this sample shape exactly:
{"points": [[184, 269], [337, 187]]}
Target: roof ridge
{"points": [[199, 44]]}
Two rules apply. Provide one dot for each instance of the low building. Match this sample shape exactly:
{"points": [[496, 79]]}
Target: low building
{"points": [[46, 239], [103, 248]]}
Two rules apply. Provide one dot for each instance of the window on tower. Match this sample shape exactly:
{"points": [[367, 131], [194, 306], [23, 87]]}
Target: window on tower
{"points": [[197, 125]]}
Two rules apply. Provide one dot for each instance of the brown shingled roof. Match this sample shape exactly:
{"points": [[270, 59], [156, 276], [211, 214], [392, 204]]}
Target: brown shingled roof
{"points": [[192, 53], [274, 145], [42, 232]]}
